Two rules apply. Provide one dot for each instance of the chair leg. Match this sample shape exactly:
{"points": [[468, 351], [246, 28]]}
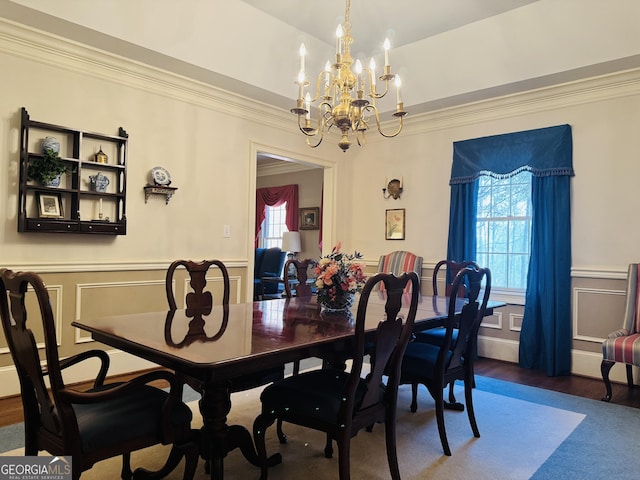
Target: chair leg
{"points": [[605, 367], [390, 440], [414, 397], [453, 404], [328, 447], [629, 375], [439, 401], [344, 452], [281, 435], [468, 399]]}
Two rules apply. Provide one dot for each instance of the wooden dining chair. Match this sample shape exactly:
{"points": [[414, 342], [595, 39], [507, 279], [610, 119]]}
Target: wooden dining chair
{"points": [[201, 300], [436, 366], [436, 335], [301, 268], [341, 403], [105, 421]]}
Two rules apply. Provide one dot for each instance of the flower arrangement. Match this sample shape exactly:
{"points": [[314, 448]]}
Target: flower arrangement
{"points": [[339, 275]]}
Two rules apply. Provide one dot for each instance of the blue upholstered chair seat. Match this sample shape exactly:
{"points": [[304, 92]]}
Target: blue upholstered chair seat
{"points": [[435, 336], [419, 360], [315, 396], [109, 423]]}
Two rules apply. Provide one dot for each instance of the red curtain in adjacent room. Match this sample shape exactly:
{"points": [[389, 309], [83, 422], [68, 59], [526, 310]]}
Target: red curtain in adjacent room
{"points": [[274, 197]]}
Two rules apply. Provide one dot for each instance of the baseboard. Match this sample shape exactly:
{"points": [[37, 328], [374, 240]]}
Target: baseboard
{"points": [[586, 364]]}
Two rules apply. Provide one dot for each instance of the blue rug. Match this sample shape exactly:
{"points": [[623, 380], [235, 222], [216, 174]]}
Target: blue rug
{"points": [[606, 444]]}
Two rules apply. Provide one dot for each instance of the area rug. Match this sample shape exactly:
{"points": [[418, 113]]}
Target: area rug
{"points": [[526, 433]]}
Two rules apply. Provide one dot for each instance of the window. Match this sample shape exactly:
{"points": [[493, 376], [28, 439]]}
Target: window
{"points": [[274, 226], [503, 229]]}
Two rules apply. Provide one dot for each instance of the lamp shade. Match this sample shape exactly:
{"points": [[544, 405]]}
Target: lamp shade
{"points": [[291, 242]]}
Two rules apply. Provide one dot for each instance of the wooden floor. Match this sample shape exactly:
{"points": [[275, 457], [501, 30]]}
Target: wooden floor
{"points": [[592, 388]]}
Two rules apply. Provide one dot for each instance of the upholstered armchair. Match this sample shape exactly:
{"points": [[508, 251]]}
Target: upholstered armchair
{"points": [[623, 345], [267, 273], [399, 262]]}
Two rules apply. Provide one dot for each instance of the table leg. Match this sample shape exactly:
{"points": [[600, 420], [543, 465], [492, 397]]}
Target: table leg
{"points": [[218, 438]]}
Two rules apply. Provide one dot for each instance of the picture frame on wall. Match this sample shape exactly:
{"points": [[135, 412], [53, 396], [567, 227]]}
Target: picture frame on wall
{"points": [[309, 218], [394, 224], [50, 205]]}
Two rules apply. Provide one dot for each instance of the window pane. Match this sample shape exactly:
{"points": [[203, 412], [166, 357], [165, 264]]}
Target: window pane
{"points": [[274, 226], [503, 232]]}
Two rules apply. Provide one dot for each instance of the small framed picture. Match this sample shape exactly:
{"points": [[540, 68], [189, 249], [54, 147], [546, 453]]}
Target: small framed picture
{"points": [[50, 205], [309, 218], [394, 224]]}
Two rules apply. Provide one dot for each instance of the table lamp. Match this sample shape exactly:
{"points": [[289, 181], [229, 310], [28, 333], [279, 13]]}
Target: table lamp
{"points": [[291, 242]]}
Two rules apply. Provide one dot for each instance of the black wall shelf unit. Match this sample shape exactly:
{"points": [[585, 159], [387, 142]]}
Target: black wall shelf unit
{"points": [[83, 208]]}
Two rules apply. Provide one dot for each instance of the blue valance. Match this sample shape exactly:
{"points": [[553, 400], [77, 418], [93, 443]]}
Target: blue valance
{"points": [[543, 151]]}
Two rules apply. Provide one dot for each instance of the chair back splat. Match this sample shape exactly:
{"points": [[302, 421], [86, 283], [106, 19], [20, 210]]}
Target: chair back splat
{"points": [[105, 421], [341, 403], [436, 365], [302, 288], [198, 298]]}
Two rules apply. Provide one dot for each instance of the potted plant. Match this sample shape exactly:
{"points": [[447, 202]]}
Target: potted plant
{"points": [[47, 169]]}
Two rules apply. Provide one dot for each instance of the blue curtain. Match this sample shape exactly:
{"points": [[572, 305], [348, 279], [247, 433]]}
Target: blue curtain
{"points": [[545, 338]]}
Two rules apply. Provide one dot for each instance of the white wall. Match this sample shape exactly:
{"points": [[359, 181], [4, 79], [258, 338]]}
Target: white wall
{"points": [[205, 138]]}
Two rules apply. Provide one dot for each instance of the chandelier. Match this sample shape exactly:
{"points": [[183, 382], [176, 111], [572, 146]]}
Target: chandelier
{"points": [[346, 100]]}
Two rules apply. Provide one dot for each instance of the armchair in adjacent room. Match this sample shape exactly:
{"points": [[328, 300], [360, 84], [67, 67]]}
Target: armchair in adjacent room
{"points": [[623, 345], [267, 272]]}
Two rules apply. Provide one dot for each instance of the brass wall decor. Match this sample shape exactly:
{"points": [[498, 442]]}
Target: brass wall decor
{"points": [[393, 189]]}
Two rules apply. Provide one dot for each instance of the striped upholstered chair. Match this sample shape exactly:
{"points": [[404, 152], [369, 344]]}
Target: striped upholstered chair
{"points": [[399, 262], [623, 345]]}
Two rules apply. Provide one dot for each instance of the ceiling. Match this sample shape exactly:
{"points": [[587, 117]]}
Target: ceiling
{"points": [[404, 21], [448, 52]]}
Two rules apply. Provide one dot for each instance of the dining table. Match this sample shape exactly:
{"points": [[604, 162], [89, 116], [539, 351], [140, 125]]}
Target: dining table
{"points": [[226, 342]]}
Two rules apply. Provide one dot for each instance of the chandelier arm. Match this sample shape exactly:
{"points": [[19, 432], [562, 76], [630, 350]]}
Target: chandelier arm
{"points": [[387, 135], [317, 144]]}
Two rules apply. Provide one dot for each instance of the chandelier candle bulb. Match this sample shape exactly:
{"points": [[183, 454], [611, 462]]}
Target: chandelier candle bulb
{"points": [[339, 40], [387, 46], [307, 105], [398, 96], [303, 52]]}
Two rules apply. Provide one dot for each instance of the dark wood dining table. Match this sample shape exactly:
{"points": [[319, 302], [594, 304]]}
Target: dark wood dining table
{"points": [[232, 341]]}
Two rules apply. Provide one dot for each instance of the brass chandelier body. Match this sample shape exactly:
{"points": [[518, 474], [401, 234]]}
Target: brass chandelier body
{"points": [[346, 100]]}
